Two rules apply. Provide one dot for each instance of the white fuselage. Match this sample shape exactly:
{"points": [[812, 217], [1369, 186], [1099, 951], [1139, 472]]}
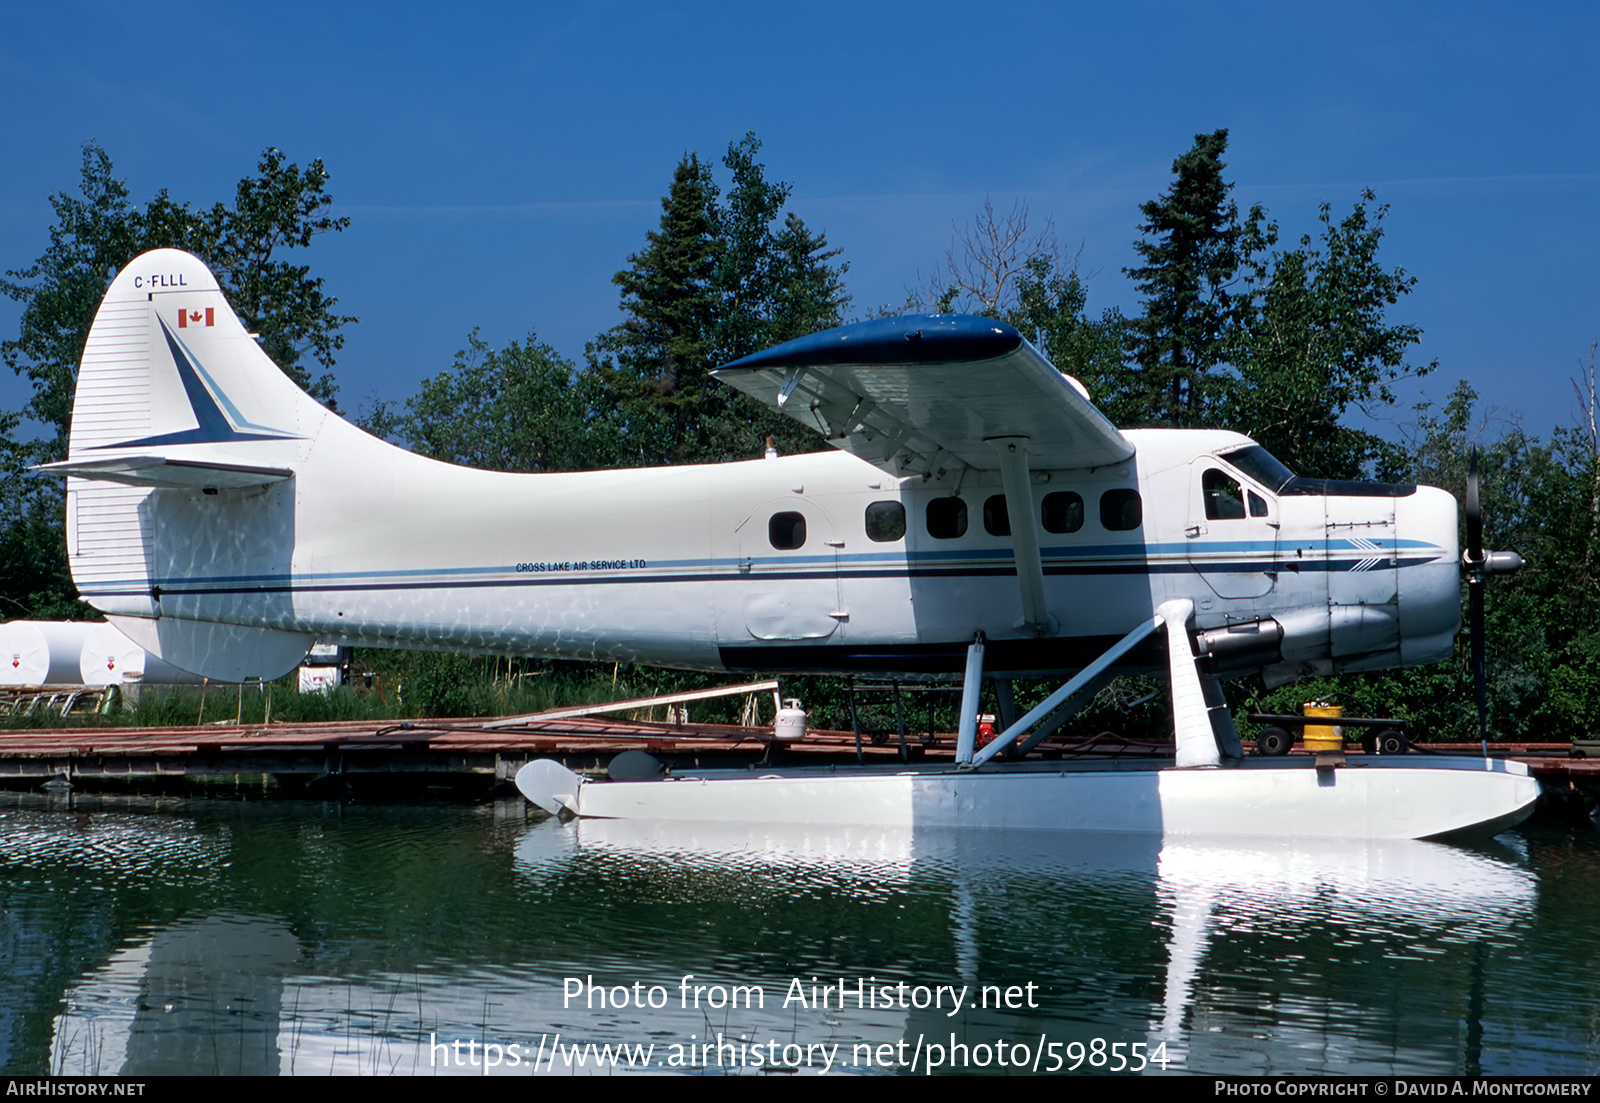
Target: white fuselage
{"points": [[678, 566]]}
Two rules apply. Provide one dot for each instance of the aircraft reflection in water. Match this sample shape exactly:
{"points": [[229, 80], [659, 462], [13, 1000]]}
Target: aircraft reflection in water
{"points": [[1339, 958], [1400, 895], [224, 521]]}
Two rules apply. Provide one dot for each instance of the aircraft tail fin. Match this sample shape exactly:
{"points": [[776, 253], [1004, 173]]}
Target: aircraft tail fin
{"points": [[168, 366], [175, 397]]}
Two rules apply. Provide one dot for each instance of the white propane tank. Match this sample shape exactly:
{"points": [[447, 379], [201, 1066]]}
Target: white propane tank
{"points": [[790, 726], [110, 658], [38, 652]]}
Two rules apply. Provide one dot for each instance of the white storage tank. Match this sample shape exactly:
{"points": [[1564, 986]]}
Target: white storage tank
{"points": [[42, 652], [109, 658]]}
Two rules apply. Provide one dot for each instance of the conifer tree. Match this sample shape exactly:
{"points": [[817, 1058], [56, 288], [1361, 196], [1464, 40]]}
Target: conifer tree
{"points": [[658, 358], [715, 282], [1191, 254]]}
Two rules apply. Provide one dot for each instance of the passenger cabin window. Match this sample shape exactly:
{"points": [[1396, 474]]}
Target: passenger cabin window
{"points": [[886, 521], [996, 521], [1120, 510], [1224, 502], [947, 518], [1061, 511], [787, 531]]}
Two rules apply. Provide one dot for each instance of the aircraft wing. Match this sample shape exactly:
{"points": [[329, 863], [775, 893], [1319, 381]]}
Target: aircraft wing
{"points": [[916, 393]]}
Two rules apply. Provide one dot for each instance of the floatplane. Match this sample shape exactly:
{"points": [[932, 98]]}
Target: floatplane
{"points": [[978, 518]]}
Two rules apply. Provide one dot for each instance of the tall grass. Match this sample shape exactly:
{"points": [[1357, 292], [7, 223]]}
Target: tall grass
{"points": [[402, 685], [414, 685]]}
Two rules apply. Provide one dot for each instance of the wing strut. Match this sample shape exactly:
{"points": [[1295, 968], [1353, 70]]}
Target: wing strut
{"points": [[1013, 452]]}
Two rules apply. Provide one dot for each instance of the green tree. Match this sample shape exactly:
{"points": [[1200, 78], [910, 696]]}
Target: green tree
{"points": [[1191, 258], [280, 209], [34, 580], [1309, 338], [717, 280], [658, 356], [100, 230], [521, 408], [1276, 342], [1052, 305]]}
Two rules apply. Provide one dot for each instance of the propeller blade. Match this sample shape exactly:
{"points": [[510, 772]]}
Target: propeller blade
{"points": [[1474, 514], [1479, 676]]}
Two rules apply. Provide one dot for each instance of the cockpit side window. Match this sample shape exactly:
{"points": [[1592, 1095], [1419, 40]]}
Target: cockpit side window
{"points": [[1224, 500]]}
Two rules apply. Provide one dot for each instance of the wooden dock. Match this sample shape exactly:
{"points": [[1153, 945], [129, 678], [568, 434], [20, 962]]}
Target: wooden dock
{"points": [[348, 749], [481, 752]]}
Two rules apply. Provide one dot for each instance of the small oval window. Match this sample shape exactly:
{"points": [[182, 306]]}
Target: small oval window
{"points": [[1121, 510], [1061, 511], [996, 521], [947, 518], [886, 521], [787, 531]]}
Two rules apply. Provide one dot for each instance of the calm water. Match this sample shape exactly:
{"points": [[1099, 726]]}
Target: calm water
{"points": [[155, 936]]}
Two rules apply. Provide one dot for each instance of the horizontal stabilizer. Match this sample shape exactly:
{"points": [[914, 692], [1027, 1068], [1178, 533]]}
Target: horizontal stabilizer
{"points": [[165, 472], [219, 652], [920, 394]]}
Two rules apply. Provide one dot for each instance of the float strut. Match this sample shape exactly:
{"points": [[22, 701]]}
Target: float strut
{"points": [[1066, 712], [967, 733], [1005, 702], [1191, 712], [1060, 696], [1222, 728]]}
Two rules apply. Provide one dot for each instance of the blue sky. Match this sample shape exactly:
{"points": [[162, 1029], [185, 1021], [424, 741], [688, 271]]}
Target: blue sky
{"points": [[500, 162]]}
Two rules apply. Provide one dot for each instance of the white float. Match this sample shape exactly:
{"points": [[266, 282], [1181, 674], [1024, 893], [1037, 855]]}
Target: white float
{"points": [[1415, 798]]}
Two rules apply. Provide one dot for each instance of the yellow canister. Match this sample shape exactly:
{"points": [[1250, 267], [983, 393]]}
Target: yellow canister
{"points": [[1323, 737]]}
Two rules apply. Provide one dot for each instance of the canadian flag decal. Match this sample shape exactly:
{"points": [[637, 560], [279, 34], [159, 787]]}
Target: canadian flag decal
{"points": [[207, 317]]}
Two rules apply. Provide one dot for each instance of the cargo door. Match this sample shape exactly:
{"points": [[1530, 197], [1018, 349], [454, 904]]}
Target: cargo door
{"points": [[789, 571]]}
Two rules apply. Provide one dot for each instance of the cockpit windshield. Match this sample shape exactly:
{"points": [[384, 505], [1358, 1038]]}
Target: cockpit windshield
{"points": [[1269, 471], [1260, 465]]}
